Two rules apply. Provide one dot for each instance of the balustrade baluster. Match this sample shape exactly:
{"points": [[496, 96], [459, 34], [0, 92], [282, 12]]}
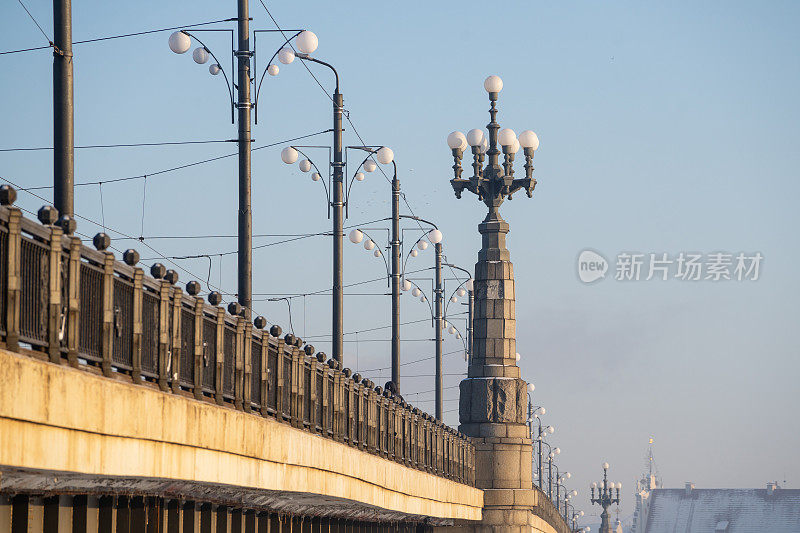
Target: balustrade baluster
{"points": [[177, 297], [74, 300], [107, 343], [197, 343], [266, 377], [164, 347], [54, 295], [220, 357], [13, 278], [247, 364], [238, 382], [136, 341], [280, 379]]}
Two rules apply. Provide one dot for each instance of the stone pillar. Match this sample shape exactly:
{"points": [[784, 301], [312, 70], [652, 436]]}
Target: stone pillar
{"points": [[493, 398]]}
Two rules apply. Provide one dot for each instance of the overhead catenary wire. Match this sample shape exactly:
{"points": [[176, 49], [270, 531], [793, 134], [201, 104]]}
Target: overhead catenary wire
{"points": [[107, 38], [179, 167], [120, 145], [377, 327], [49, 40], [100, 225], [413, 361]]}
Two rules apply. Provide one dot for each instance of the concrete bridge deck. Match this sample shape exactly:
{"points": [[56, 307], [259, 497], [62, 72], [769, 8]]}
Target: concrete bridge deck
{"points": [[64, 430]]}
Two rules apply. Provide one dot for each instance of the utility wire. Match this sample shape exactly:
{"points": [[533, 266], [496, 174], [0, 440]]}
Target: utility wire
{"points": [[180, 167], [37, 24], [177, 266], [111, 36], [323, 291], [122, 145], [257, 235], [97, 39], [378, 327], [292, 46], [414, 361]]}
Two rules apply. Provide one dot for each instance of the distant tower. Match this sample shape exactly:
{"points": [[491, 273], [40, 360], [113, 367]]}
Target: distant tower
{"points": [[650, 480]]}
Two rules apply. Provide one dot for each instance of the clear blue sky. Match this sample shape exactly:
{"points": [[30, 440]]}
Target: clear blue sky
{"points": [[664, 128]]}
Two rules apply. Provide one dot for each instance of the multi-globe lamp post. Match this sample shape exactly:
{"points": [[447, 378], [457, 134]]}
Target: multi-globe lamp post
{"points": [[385, 156], [394, 270], [180, 42], [335, 193], [495, 182], [576, 515], [605, 498], [439, 312], [551, 455]]}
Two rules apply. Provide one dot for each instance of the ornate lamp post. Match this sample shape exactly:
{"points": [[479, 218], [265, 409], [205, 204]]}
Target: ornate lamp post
{"points": [[605, 499], [493, 372], [336, 192], [180, 42]]}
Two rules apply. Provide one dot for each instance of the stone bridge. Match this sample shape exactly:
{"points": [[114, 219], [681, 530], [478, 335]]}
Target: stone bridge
{"points": [[129, 404]]}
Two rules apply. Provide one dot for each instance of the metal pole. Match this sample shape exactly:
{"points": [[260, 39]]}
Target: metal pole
{"points": [[245, 252], [63, 109], [550, 478], [338, 227], [558, 496], [439, 291], [540, 455], [396, 279]]}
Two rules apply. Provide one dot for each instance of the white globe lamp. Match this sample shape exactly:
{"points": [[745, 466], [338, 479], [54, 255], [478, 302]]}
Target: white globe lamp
{"points": [[493, 84], [286, 55], [307, 42], [179, 42], [385, 155], [200, 55], [356, 236], [289, 155]]}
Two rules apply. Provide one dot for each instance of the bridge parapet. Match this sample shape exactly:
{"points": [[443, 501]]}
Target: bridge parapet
{"points": [[77, 306]]}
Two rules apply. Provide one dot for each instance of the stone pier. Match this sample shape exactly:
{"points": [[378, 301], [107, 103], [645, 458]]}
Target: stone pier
{"points": [[493, 401]]}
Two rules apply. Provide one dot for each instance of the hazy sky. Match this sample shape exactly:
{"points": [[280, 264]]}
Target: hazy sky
{"points": [[664, 128]]}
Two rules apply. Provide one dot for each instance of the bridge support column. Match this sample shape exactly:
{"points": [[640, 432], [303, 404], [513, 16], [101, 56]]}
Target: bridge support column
{"points": [[85, 514], [174, 517], [5, 513], [58, 514], [493, 398], [107, 515]]}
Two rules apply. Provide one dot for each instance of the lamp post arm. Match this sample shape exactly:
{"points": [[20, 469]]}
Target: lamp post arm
{"points": [[464, 270], [385, 263], [261, 80], [419, 219], [353, 179], [327, 191], [306, 57], [227, 81]]}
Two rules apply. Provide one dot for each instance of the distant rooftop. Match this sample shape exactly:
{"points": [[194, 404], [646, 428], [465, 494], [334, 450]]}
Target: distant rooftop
{"points": [[691, 510]]}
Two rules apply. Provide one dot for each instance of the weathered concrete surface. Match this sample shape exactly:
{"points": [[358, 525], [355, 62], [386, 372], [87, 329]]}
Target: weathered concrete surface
{"points": [[66, 429]]}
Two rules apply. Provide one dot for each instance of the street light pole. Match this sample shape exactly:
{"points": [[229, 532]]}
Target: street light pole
{"points": [[438, 291], [63, 109], [540, 455], [338, 226], [245, 251], [605, 498], [395, 245]]}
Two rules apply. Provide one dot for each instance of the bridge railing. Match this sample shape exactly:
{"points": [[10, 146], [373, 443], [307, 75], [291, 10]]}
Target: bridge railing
{"points": [[74, 305]]}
